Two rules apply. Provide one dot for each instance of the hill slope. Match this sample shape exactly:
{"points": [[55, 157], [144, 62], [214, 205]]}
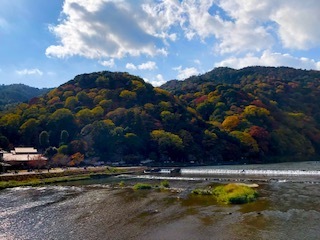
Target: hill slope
{"points": [[277, 107], [255, 114], [15, 93], [115, 116]]}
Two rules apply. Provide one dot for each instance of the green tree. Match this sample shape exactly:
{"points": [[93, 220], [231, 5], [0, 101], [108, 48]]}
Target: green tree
{"points": [[71, 103], [230, 122], [61, 119], [85, 116], [64, 137], [105, 104], [103, 82], [170, 120], [247, 141], [133, 143], [9, 126], [97, 112], [77, 146], [63, 149], [102, 137], [4, 142], [30, 132], [128, 95], [83, 98], [44, 139], [170, 145], [205, 109], [257, 115]]}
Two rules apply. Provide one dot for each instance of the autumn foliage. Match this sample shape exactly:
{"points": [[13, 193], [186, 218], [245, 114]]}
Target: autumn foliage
{"points": [[253, 114]]}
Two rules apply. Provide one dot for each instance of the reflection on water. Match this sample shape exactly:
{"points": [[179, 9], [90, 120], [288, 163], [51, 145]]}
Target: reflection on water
{"points": [[284, 210]]}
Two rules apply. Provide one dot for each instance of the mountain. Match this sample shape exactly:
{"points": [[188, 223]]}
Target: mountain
{"points": [[274, 109], [15, 93], [255, 114], [113, 116]]}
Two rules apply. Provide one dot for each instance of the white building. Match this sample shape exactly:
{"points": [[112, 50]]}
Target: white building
{"points": [[21, 156]]}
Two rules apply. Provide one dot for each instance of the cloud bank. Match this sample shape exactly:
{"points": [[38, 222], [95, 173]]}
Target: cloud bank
{"points": [[238, 32]]}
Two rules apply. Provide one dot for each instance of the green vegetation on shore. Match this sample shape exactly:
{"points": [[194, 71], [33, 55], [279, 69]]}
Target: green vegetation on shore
{"points": [[141, 186], [37, 181], [230, 193], [17, 180]]}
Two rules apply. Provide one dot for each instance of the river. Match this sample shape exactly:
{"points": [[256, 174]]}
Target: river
{"points": [[288, 207]]}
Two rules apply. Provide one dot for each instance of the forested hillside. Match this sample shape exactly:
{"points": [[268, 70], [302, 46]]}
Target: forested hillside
{"points": [[255, 114], [15, 93], [274, 111], [115, 116]]}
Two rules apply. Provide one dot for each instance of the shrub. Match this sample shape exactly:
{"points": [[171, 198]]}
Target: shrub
{"points": [[234, 194], [230, 193], [165, 184], [121, 184], [140, 186], [200, 191]]}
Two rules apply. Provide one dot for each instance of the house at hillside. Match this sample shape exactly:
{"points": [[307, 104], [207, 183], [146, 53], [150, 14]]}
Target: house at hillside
{"points": [[23, 157]]}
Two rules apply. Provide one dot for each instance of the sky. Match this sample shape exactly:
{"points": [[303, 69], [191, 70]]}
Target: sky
{"points": [[45, 43]]}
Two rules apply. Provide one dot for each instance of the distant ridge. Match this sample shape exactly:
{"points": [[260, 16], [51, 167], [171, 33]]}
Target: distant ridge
{"points": [[15, 93], [228, 75]]}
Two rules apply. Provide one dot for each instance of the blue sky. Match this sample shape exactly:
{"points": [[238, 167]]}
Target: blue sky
{"points": [[46, 43]]}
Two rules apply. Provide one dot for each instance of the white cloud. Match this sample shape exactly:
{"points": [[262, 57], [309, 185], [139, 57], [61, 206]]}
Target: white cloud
{"points": [[298, 23], [295, 22], [103, 28], [186, 72], [161, 17], [234, 30], [131, 66], [157, 81], [110, 63], [33, 71], [241, 25], [143, 66], [99, 29], [270, 59], [148, 66]]}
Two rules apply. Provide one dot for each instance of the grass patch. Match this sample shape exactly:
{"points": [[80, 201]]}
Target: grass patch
{"points": [[142, 186], [66, 179], [38, 181], [14, 183], [230, 193], [122, 184], [235, 194], [165, 184]]}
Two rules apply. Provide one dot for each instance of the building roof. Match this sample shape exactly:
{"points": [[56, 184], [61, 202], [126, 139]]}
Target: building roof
{"points": [[8, 157], [24, 150]]}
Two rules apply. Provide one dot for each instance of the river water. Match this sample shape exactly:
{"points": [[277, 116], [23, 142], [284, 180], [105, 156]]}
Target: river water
{"points": [[288, 207]]}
